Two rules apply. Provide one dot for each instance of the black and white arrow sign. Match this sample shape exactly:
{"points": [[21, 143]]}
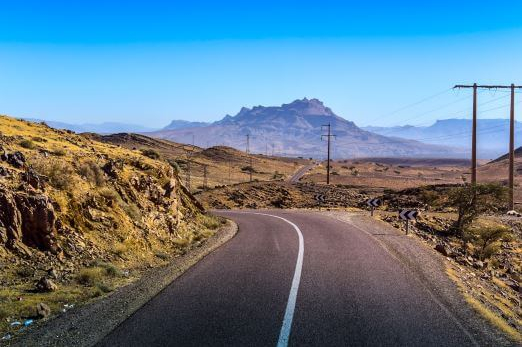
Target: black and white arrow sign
{"points": [[319, 197], [373, 202], [408, 214]]}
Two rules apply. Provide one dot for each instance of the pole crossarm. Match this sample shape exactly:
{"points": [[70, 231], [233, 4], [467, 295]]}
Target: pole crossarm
{"points": [[458, 86]]}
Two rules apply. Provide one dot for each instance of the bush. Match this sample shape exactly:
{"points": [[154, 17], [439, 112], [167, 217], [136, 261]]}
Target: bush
{"points": [[150, 153], [90, 276], [487, 239], [27, 144], [471, 201], [92, 172], [59, 173], [248, 169], [60, 152], [175, 166]]}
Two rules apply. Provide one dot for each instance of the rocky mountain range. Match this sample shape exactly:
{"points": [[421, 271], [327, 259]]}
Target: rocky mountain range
{"points": [[295, 129], [492, 134]]}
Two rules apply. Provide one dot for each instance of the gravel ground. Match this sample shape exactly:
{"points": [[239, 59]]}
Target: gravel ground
{"points": [[86, 325], [430, 269]]}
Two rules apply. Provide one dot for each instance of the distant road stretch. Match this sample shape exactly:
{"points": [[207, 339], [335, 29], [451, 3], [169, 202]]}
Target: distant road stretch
{"points": [[298, 279], [301, 172]]}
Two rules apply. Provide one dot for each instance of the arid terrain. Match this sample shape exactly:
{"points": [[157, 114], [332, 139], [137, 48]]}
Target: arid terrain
{"points": [[79, 217], [223, 165]]}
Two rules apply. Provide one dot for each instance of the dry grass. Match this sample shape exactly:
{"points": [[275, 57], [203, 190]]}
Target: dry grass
{"points": [[480, 308]]}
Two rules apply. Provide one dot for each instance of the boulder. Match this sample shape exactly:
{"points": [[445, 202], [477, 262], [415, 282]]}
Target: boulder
{"points": [[42, 310], [442, 249], [46, 285], [16, 159], [26, 219]]}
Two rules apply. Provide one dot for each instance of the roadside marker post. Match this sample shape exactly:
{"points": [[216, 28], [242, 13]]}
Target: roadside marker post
{"points": [[408, 215], [373, 203]]}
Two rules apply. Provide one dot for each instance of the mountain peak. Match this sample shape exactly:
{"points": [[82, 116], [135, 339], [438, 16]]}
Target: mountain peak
{"points": [[309, 107]]}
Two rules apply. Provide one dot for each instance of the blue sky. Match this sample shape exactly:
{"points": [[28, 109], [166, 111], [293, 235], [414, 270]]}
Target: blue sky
{"points": [[150, 62]]}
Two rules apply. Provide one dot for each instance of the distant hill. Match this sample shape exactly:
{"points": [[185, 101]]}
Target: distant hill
{"points": [[183, 124], [518, 154], [492, 134], [294, 129], [100, 128]]}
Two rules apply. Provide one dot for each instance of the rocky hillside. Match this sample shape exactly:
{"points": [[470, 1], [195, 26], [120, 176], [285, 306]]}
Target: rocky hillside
{"points": [[295, 129], [79, 217], [221, 165]]}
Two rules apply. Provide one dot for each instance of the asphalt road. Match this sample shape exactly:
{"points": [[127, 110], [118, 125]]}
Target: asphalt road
{"points": [[301, 172], [350, 292]]}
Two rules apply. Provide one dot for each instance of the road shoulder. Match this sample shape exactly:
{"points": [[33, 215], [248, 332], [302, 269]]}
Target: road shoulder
{"points": [[88, 324], [431, 270]]}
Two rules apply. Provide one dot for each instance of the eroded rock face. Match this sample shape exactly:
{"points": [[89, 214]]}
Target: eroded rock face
{"points": [[27, 219]]}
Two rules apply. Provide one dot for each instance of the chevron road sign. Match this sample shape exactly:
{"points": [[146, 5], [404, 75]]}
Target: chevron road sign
{"points": [[319, 197], [407, 215], [373, 203]]}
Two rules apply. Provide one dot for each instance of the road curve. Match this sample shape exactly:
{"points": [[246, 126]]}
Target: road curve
{"points": [[351, 292], [301, 172]]}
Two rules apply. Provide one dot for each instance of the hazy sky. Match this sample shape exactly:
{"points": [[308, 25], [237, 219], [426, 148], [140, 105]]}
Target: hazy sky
{"points": [[153, 61]]}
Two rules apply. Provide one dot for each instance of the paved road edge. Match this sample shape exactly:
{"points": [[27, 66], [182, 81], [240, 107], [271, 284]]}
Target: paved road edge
{"points": [[87, 325]]}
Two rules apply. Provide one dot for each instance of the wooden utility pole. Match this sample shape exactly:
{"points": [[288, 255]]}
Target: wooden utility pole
{"points": [[328, 136], [511, 183], [474, 139], [512, 149], [248, 143], [205, 180]]}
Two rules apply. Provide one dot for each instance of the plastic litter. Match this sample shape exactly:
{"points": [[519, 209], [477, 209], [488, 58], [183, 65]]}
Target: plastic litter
{"points": [[28, 322], [6, 337], [13, 324]]}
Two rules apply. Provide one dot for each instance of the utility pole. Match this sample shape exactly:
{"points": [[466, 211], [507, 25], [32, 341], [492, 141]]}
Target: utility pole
{"points": [[205, 182], [512, 149], [512, 87], [187, 178], [229, 170], [328, 136], [248, 143], [251, 168]]}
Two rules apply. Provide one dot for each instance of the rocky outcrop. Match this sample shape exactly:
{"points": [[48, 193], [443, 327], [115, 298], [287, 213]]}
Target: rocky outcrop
{"points": [[27, 219]]}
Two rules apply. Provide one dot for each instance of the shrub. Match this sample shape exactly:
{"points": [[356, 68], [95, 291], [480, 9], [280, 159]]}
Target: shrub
{"points": [[175, 166], [487, 239], [471, 201], [38, 139], [60, 152], [90, 276], [92, 172], [248, 169], [150, 153], [27, 144], [111, 270], [59, 173]]}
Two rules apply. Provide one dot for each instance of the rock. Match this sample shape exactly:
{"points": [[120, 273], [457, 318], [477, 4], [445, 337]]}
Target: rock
{"points": [[478, 264], [36, 181], [514, 285], [42, 310], [26, 220], [442, 249], [112, 168], [52, 273], [17, 159], [46, 285]]}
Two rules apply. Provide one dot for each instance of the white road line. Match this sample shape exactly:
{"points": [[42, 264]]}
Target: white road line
{"points": [[284, 335]]}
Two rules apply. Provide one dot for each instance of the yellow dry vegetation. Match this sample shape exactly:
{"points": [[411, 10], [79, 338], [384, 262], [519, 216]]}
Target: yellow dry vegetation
{"points": [[136, 219]]}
